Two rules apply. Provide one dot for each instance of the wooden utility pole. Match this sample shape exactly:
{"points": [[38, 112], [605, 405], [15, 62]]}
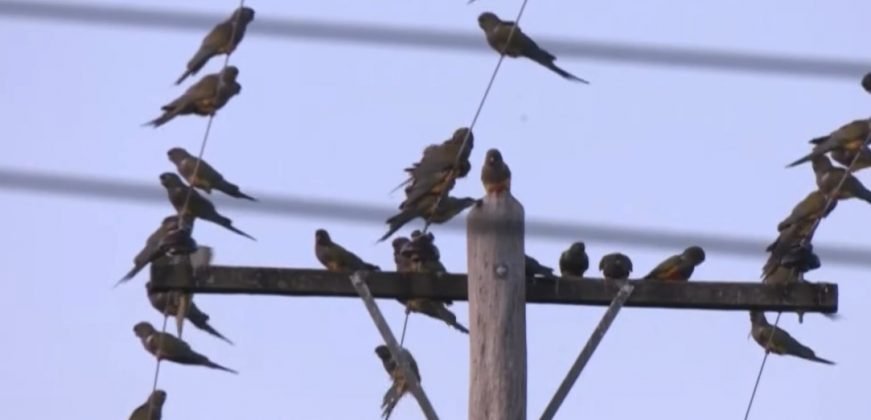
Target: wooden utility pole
{"points": [[497, 309]]}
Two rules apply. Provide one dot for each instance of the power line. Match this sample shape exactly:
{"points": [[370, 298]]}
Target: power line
{"points": [[697, 58], [284, 205]]}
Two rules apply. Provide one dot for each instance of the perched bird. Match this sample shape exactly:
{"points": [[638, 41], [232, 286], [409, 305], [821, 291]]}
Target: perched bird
{"points": [[427, 209], [535, 270], [435, 309], [791, 237], [336, 258], [400, 382], [517, 44], [495, 174], [435, 174], [403, 261], [573, 262], [166, 346], [848, 139], [204, 176], [222, 39], [866, 83], [678, 267], [615, 266], [812, 207], [828, 177], [149, 251], [152, 408], [421, 248], [197, 205], [204, 98], [778, 341], [167, 303]]}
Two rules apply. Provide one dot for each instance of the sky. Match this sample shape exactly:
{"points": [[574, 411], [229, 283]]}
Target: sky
{"points": [[673, 148]]}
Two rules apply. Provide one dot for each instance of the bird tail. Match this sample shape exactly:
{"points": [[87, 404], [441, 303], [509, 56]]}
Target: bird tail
{"points": [[391, 398], [201, 321], [864, 194], [547, 60], [808, 354], [213, 365], [130, 274], [233, 191], [163, 119], [818, 140], [397, 221], [196, 63], [806, 158], [226, 223]]}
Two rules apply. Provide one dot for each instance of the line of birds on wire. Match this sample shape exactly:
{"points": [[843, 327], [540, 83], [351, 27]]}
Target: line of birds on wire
{"points": [[427, 187]]}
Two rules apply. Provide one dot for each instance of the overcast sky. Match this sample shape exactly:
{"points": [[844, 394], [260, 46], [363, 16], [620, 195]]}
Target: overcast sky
{"points": [[642, 146]]}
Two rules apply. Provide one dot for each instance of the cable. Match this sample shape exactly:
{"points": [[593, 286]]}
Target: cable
{"points": [[76, 185], [761, 368], [453, 172], [832, 196], [184, 206], [411, 37], [404, 327], [157, 367]]}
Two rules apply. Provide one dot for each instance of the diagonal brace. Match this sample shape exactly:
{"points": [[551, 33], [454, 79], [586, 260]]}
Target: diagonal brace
{"points": [[358, 280], [587, 352]]}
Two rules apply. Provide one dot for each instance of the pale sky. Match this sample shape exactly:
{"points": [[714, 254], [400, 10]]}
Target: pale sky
{"points": [[697, 151]]}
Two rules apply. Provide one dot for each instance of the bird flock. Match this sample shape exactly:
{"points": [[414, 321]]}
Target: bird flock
{"points": [[427, 186]]}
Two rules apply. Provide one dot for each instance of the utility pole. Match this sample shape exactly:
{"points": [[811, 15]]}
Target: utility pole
{"points": [[497, 309]]}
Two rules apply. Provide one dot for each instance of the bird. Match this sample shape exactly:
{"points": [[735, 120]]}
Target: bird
{"points": [[167, 303], [148, 252], [400, 382], [810, 208], [573, 262], [403, 262], [847, 139], [866, 82], [495, 174], [222, 39], [204, 98], [615, 266], [776, 340], [152, 408], [426, 208], [197, 206], [336, 258], [435, 309], [678, 267], [432, 177], [203, 176], [165, 346], [517, 44], [828, 177], [421, 249], [535, 270]]}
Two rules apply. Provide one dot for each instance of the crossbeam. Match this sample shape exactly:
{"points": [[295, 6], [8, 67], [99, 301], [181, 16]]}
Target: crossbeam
{"points": [[736, 296]]}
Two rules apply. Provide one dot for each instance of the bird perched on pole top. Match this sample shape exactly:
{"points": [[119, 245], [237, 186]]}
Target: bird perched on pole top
{"points": [[222, 39], [495, 174], [573, 262], [517, 44], [678, 267], [615, 266], [866, 83]]}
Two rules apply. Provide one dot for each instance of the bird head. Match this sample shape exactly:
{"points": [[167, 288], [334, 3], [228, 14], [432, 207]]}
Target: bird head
{"points": [[493, 157], [158, 396], [694, 254], [169, 221], [488, 20], [577, 247], [758, 317], [866, 83], [169, 179], [383, 352], [398, 243], [176, 154], [229, 73], [243, 15], [143, 329], [460, 134], [322, 237]]}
